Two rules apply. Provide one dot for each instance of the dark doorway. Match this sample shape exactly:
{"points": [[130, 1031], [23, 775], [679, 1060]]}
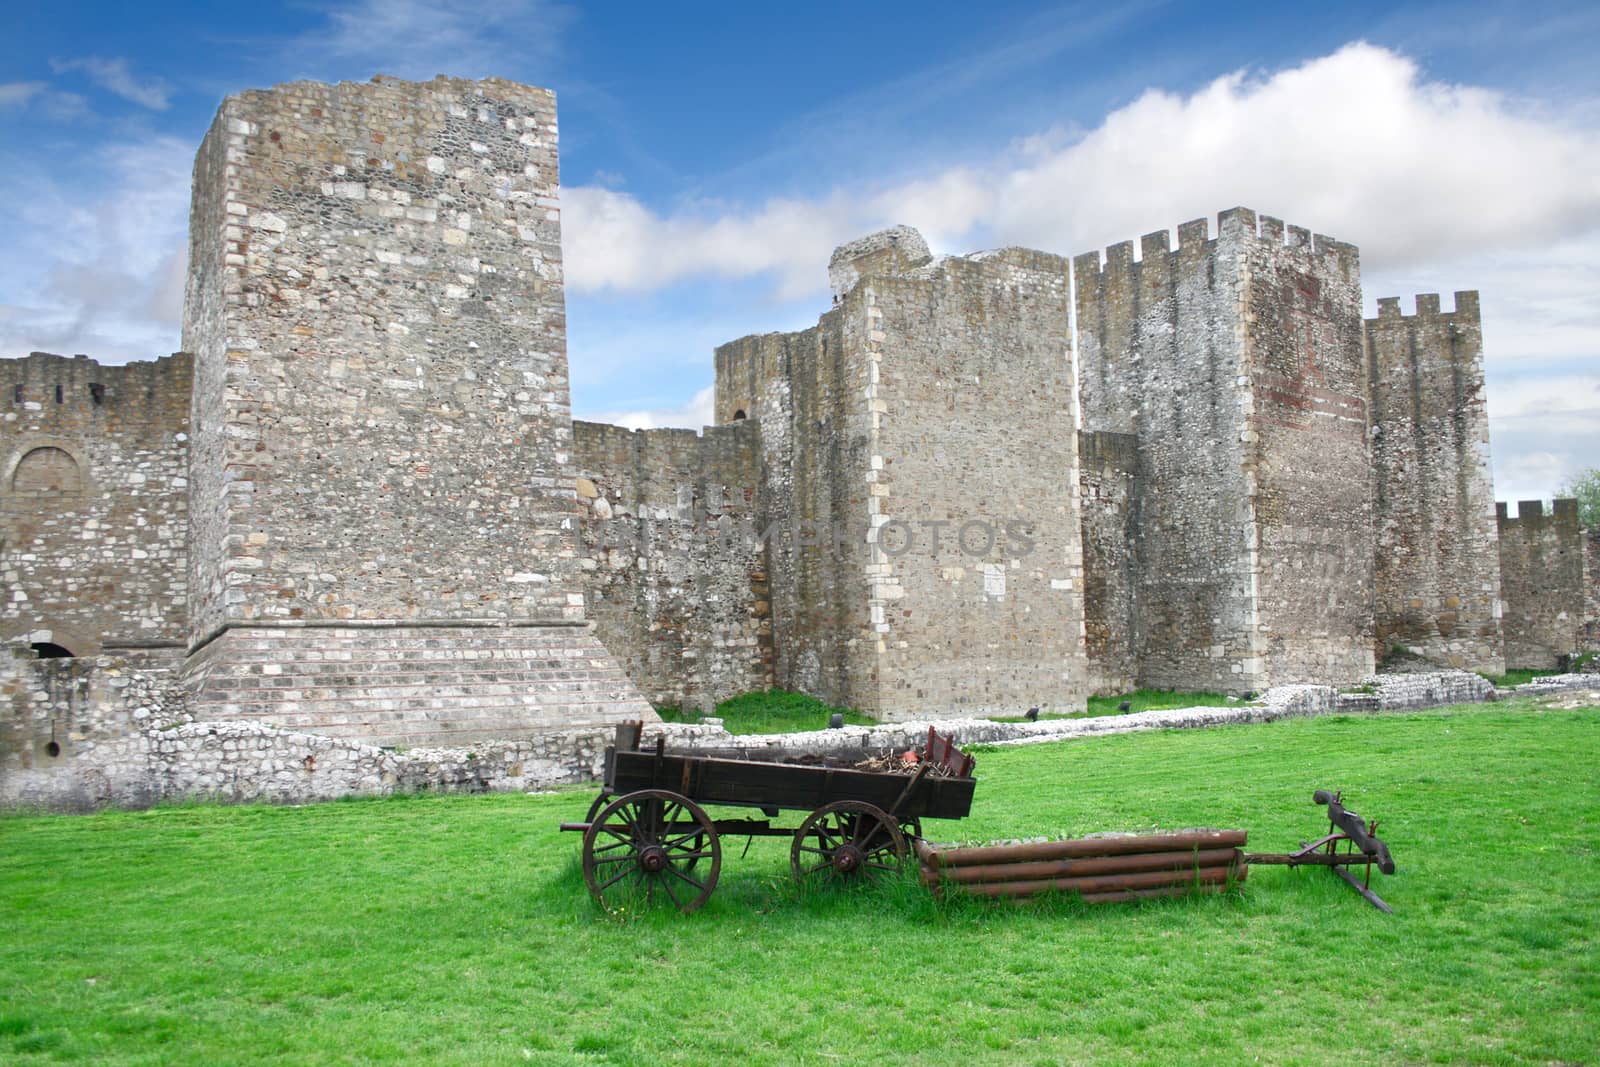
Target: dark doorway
{"points": [[50, 650]]}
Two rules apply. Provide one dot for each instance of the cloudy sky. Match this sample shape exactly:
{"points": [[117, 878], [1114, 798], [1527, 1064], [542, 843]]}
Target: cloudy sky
{"points": [[713, 154]]}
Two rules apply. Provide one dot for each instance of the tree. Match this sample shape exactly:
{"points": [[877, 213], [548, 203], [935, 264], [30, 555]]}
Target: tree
{"points": [[1585, 487]]}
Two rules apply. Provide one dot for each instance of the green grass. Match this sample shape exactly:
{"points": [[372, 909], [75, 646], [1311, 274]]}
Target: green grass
{"points": [[772, 712], [456, 929]]}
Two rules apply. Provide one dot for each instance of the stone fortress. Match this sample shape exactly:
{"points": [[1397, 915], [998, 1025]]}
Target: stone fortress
{"points": [[356, 505]]}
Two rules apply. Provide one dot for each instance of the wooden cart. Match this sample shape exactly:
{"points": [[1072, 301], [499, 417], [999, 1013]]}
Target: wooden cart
{"points": [[647, 830]]}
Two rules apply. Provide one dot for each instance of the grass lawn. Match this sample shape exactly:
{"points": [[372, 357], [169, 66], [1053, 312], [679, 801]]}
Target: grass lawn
{"points": [[771, 712], [457, 929]]}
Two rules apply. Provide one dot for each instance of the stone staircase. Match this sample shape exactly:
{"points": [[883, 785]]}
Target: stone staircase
{"points": [[404, 685]]}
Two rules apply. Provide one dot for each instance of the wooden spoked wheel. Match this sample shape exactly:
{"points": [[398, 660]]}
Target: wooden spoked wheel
{"points": [[847, 841], [648, 844]]}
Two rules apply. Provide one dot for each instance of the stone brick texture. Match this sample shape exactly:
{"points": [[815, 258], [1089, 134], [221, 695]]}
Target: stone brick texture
{"points": [[1437, 582], [93, 502], [1541, 580], [1108, 474], [383, 431], [1236, 363], [675, 566]]}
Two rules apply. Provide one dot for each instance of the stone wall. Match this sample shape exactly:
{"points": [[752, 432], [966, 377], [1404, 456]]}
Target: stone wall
{"points": [[1437, 585], [382, 428], [93, 501], [1310, 490], [1236, 363], [675, 564], [1541, 582], [1107, 477], [975, 579], [813, 426], [1590, 636]]}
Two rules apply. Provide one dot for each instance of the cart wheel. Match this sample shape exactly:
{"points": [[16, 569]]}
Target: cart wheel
{"points": [[650, 841], [599, 802], [848, 840]]}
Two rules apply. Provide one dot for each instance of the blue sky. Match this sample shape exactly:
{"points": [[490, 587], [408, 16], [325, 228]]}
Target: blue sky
{"points": [[713, 154]]}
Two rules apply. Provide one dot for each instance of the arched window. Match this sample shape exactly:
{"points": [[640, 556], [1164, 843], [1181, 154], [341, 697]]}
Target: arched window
{"points": [[47, 470], [51, 650], [737, 415]]}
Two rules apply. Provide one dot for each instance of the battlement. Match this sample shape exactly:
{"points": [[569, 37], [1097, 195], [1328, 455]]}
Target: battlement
{"points": [[1563, 512], [1427, 308], [74, 385], [1237, 225]]}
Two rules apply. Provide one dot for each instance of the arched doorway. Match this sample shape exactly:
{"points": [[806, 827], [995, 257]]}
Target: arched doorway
{"points": [[51, 650]]}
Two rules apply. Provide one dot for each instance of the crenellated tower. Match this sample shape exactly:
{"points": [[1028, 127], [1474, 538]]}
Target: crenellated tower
{"points": [[1437, 576], [1236, 363]]}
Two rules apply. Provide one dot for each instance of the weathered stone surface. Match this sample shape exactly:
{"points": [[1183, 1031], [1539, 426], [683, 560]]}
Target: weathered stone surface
{"points": [[1236, 363], [675, 564], [1437, 583], [93, 502], [381, 416], [1542, 581]]}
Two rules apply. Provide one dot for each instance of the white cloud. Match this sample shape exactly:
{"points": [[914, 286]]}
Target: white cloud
{"points": [[694, 415], [115, 76], [421, 38], [102, 272], [16, 94], [1355, 144]]}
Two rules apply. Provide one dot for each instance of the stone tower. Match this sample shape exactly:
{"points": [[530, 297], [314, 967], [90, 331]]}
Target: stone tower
{"points": [[383, 535], [920, 457], [1237, 363]]}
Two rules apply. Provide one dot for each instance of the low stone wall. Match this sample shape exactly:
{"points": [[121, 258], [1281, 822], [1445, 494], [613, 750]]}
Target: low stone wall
{"points": [[77, 735]]}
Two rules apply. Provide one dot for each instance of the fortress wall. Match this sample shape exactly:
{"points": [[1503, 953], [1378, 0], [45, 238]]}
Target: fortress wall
{"points": [[94, 501], [814, 425], [1108, 467], [674, 566], [1161, 357], [1308, 481], [975, 584], [1437, 566], [375, 306], [1541, 581]]}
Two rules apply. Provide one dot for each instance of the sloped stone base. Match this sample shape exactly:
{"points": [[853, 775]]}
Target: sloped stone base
{"points": [[413, 685]]}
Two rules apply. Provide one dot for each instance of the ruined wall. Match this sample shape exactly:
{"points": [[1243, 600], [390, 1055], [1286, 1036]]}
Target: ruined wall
{"points": [[675, 568], [1108, 466], [811, 404], [94, 501], [1437, 577], [1541, 582], [975, 585], [1236, 362], [382, 428]]}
